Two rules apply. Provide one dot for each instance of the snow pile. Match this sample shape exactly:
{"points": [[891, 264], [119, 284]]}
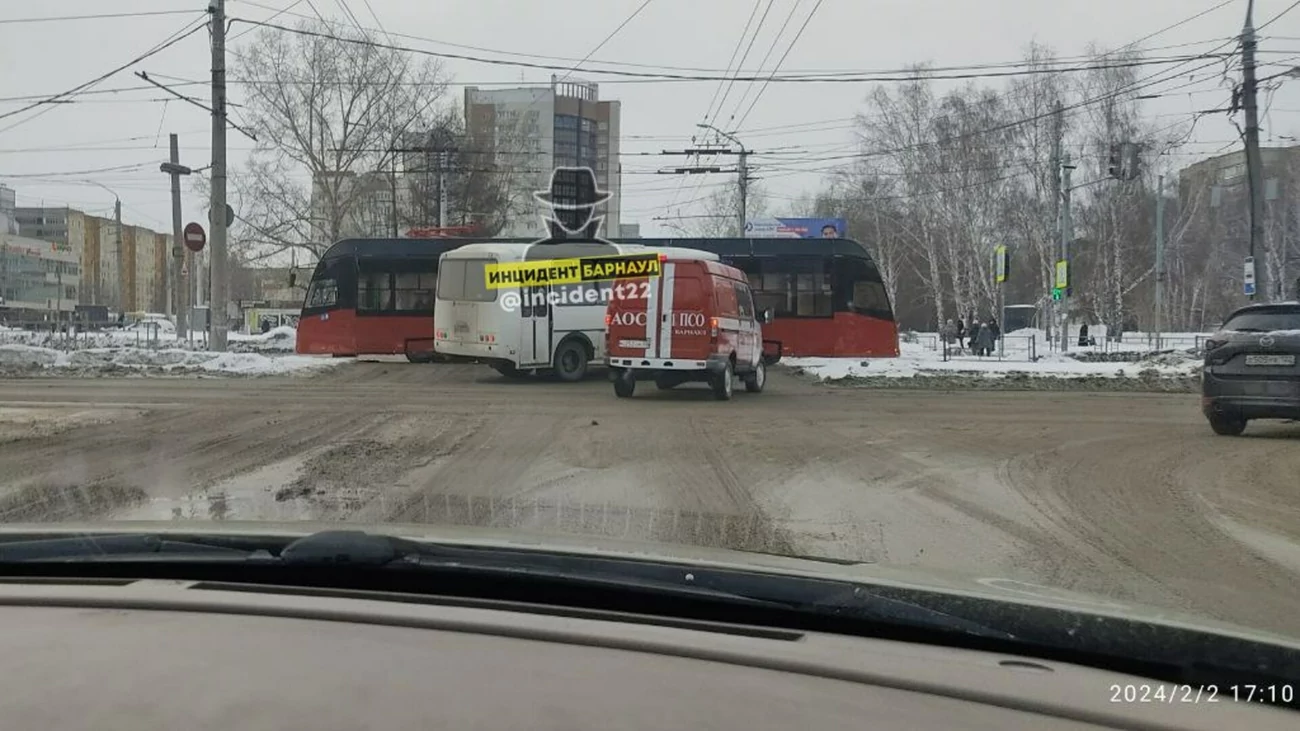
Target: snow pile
{"points": [[18, 358], [283, 339], [278, 340], [920, 359]]}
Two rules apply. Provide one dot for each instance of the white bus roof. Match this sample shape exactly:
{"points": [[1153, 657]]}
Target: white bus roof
{"points": [[517, 251]]}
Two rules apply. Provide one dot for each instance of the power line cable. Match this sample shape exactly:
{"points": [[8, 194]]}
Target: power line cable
{"points": [[788, 49], [183, 34], [97, 16]]}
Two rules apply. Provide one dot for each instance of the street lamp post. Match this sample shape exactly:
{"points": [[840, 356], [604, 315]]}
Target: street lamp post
{"points": [[120, 256]]}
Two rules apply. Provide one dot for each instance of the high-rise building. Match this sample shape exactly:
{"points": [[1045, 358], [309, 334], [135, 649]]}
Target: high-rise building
{"points": [[529, 131]]}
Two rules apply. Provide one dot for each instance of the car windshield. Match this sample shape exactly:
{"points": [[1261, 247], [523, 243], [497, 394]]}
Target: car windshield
{"points": [[932, 290]]}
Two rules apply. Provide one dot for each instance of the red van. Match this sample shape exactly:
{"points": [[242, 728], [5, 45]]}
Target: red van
{"points": [[694, 322]]}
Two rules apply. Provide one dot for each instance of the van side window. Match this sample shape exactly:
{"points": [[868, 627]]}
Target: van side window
{"points": [[726, 297], [744, 301]]}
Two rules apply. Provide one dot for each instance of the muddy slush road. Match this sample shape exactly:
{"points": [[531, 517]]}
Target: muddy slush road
{"points": [[1125, 495]]}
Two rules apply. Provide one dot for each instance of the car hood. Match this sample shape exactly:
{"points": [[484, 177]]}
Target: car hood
{"points": [[989, 587]]}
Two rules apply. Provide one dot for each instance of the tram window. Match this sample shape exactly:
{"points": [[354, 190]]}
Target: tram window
{"points": [[859, 282], [870, 297], [323, 293], [794, 286], [413, 291], [374, 293]]}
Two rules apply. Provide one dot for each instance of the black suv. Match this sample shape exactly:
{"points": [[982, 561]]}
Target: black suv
{"points": [[1251, 369]]}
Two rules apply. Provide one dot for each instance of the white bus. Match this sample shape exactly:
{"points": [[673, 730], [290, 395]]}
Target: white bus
{"points": [[557, 328]]}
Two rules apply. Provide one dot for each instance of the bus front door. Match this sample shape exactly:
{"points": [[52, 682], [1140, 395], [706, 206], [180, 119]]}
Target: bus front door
{"points": [[534, 328]]}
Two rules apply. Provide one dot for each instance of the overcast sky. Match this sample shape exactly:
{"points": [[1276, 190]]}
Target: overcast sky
{"points": [[68, 154]]}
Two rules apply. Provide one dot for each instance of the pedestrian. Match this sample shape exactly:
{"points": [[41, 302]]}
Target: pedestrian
{"points": [[997, 329], [1083, 335], [961, 333], [974, 334], [984, 341]]}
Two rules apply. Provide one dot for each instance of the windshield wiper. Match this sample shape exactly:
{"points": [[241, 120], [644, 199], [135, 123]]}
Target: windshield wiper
{"points": [[351, 550]]}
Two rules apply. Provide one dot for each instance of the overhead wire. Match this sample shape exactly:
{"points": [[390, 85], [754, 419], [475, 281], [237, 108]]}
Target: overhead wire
{"points": [[175, 38]]}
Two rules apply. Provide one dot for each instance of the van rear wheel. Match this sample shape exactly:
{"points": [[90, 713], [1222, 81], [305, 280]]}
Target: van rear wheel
{"points": [[723, 383], [571, 361], [624, 385], [755, 379]]}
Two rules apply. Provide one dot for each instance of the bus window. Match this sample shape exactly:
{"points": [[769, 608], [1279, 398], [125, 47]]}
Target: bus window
{"points": [[451, 279], [465, 280], [476, 289]]}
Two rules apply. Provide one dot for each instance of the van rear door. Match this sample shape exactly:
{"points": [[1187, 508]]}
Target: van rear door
{"points": [[627, 319], [685, 309]]}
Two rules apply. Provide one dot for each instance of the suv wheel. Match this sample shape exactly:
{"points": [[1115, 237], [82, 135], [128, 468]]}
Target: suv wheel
{"points": [[1228, 426], [755, 379], [724, 382]]}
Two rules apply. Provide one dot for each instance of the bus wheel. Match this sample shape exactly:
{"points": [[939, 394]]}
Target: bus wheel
{"points": [[723, 383], [420, 357], [571, 361], [755, 379], [665, 383], [624, 385]]}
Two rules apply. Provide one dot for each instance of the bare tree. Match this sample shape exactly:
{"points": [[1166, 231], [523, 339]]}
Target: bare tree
{"points": [[327, 108], [722, 211]]}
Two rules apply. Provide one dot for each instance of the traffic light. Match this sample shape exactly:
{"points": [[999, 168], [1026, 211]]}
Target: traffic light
{"points": [[1113, 164], [1056, 294]]}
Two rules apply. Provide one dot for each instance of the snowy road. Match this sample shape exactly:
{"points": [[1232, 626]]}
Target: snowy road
{"points": [[1128, 495]]}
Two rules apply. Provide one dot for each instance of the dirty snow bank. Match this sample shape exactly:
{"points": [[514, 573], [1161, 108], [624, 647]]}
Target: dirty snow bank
{"points": [[278, 340], [35, 360], [919, 365]]}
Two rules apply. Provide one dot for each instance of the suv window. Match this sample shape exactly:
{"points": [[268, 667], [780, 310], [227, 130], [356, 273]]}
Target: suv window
{"points": [[1264, 320]]}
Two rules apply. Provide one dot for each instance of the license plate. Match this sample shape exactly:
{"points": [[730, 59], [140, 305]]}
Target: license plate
{"points": [[640, 344], [1270, 360]]}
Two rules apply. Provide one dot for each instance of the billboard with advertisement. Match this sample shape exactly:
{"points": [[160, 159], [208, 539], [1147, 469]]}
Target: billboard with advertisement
{"points": [[795, 228]]}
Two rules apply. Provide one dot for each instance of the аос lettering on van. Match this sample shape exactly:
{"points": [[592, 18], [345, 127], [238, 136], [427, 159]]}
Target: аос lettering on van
{"points": [[627, 317]]}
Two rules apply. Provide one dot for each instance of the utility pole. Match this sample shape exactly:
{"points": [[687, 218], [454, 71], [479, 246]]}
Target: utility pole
{"points": [[220, 278], [119, 256], [1058, 139], [1067, 232], [1160, 259], [442, 188], [176, 299], [1254, 165]]}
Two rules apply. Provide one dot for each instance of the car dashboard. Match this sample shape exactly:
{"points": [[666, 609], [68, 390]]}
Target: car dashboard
{"points": [[161, 654]]}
